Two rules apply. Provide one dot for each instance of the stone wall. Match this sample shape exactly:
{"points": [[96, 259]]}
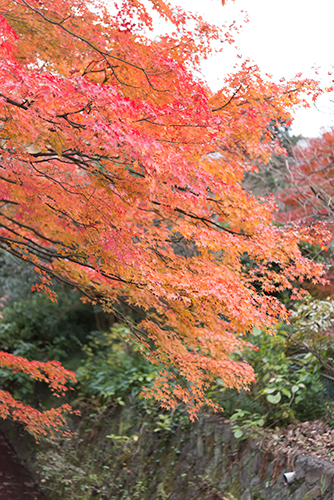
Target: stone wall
{"points": [[212, 465], [201, 461]]}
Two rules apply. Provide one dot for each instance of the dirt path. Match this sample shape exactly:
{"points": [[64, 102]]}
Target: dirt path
{"points": [[15, 482]]}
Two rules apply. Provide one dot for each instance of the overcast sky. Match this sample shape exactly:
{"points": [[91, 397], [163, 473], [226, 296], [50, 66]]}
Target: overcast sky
{"points": [[283, 38]]}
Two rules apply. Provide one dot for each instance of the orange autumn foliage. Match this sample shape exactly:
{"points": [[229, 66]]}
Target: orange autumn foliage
{"points": [[38, 423], [121, 175], [47, 422]]}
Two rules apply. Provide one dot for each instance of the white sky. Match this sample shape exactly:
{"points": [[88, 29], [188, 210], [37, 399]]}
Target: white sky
{"points": [[283, 37]]}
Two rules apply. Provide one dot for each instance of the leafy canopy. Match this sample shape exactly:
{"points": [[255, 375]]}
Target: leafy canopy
{"points": [[309, 186], [121, 175]]}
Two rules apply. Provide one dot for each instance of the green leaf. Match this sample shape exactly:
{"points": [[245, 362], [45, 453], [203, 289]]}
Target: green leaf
{"points": [[269, 390], [238, 433], [286, 392], [238, 414], [274, 399]]}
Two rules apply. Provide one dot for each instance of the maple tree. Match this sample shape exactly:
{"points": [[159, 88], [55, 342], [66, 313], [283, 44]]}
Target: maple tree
{"points": [[307, 194], [309, 181], [121, 175]]}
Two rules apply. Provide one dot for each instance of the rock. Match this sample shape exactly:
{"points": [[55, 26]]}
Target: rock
{"points": [[301, 493], [313, 475], [200, 446], [246, 495]]}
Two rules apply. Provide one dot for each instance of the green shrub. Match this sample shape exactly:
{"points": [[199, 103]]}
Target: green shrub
{"points": [[114, 367], [289, 385]]}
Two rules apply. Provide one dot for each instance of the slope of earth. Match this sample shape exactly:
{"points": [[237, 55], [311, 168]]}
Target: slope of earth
{"points": [[120, 454], [15, 481]]}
